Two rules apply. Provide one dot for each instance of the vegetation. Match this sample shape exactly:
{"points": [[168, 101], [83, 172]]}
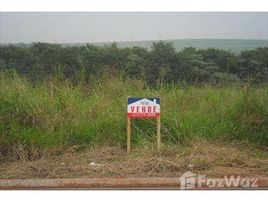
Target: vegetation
{"points": [[54, 97], [162, 64], [233, 45], [56, 114]]}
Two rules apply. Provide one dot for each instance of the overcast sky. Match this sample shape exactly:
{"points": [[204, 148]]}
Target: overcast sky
{"points": [[109, 27]]}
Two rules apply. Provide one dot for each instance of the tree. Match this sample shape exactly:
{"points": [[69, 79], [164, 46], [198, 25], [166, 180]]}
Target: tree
{"points": [[160, 61]]}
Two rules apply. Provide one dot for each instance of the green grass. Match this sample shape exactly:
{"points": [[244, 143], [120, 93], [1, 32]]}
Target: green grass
{"points": [[55, 114]]}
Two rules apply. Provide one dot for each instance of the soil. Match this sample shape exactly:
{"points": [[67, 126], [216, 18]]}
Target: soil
{"points": [[212, 159]]}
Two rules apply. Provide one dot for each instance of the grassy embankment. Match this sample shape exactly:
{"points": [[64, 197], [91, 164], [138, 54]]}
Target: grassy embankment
{"points": [[52, 116]]}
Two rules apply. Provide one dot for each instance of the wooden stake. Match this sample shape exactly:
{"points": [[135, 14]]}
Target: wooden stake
{"points": [[128, 135], [158, 133]]}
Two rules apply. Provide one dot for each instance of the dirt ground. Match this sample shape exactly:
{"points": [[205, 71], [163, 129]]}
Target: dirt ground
{"points": [[213, 159]]}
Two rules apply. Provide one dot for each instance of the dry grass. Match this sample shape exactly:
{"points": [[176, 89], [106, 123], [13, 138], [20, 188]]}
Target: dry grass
{"points": [[214, 159]]}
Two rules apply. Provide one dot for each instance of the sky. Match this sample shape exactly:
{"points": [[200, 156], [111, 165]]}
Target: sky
{"points": [[64, 27]]}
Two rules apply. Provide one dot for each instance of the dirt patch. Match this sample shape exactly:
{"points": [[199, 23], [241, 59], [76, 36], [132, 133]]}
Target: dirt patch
{"points": [[213, 159]]}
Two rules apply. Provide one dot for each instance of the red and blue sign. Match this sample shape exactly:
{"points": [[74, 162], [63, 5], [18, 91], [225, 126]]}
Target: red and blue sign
{"points": [[143, 107]]}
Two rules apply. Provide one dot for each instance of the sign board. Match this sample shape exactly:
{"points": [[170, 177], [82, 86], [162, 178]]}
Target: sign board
{"points": [[143, 107]]}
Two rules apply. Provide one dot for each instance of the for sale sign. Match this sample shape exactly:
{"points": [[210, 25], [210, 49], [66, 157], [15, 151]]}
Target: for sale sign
{"points": [[143, 107]]}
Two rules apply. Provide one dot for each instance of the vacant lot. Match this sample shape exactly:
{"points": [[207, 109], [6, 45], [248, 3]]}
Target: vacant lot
{"points": [[55, 129], [212, 159]]}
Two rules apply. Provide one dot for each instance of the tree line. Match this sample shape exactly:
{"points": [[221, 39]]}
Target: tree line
{"points": [[161, 64]]}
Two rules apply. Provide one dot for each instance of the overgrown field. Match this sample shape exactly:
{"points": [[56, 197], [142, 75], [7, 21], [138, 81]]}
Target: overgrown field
{"points": [[53, 115]]}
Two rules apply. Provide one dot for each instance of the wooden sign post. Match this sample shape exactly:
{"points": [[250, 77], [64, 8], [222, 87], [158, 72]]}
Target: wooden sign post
{"points": [[128, 134], [143, 108], [158, 136]]}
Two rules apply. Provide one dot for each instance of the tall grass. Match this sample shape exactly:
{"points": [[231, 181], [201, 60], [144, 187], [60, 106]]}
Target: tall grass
{"points": [[56, 114]]}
